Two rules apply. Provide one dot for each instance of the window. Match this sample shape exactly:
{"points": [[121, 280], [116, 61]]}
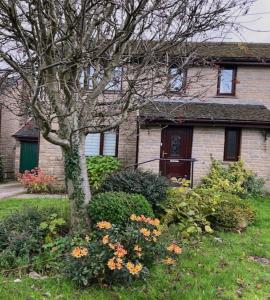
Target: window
{"points": [[101, 144], [226, 81], [115, 84], [232, 144], [176, 79]]}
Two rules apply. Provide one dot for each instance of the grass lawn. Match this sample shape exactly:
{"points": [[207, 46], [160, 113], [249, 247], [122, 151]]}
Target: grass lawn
{"points": [[217, 269]]}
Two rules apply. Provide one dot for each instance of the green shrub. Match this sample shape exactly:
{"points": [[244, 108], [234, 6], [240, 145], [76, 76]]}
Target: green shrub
{"points": [[116, 207], [188, 210], [234, 179], [116, 255], [22, 236], [1, 169], [99, 167], [232, 213], [153, 187]]}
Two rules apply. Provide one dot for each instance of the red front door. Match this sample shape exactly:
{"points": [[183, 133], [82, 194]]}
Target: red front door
{"points": [[176, 143]]}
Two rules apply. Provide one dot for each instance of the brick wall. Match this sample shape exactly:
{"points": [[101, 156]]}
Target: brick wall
{"points": [[9, 125], [128, 141], [51, 160], [207, 142], [149, 148]]}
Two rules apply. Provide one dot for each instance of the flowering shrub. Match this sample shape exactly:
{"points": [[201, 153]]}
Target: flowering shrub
{"points": [[36, 181], [115, 255]]}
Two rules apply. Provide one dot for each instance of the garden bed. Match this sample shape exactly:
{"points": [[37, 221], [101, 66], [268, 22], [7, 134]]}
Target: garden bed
{"points": [[218, 268]]}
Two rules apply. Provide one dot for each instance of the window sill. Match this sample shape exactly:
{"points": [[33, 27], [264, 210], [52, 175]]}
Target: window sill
{"points": [[226, 96]]}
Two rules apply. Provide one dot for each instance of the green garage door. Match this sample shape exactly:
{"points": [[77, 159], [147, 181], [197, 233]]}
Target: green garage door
{"points": [[29, 156]]}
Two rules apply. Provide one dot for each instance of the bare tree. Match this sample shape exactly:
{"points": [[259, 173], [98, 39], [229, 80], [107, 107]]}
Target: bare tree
{"points": [[66, 53]]}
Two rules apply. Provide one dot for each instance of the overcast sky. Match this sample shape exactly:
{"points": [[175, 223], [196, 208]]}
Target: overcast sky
{"points": [[258, 20]]}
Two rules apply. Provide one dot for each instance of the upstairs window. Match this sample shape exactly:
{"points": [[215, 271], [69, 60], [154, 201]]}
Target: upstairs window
{"points": [[226, 81], [104, 143], [176, 79], [232, 144], [115, 84]]}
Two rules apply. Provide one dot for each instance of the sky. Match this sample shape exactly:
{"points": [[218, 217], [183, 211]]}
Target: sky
{"points": [[257, 22]]}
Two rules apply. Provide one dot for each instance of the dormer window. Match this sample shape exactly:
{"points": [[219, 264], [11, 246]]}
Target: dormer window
{"points": [[226, 81], [176, 79]]}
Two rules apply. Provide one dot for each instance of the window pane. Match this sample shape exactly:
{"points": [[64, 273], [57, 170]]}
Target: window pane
{"points": [[175, 145], [116, 81], [231, 144], [92, 144], [226, 81], [176, 79], [109, 143]]}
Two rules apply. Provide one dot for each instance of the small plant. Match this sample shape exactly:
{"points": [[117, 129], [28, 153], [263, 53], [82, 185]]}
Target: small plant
{"points": [[152, 186], [1, 168], [52, 226], [36, 181], [99, 167], [232, 214], [116, 207], [118, 256]]}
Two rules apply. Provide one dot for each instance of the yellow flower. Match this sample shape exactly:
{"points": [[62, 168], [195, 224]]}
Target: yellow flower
{"points": [[145, 231], [154, 239], [169, 261], [134, 268], [104, 225], [78, 252], [115, 263], [174, 248], [87, 238], [137, 248], [120, 251], [156, 232], [105, 239]]}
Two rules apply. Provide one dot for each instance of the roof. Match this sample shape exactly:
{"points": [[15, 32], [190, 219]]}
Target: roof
{"points": [[207, 113], [29, 131], [242, 51]]}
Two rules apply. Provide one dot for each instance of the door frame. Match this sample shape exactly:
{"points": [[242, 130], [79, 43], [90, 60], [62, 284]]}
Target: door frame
{"points": [[163, 129]]}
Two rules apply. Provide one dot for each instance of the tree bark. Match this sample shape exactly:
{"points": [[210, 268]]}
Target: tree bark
{"points": [[77, 183]]}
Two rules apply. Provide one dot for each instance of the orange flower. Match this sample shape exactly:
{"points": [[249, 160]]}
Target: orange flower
{"points": [[104, 225], [154, 222], [174, 248], [78, 252], [156, 232], [134, 269], [120, 251], [111, 264], [169, 261], [137, 248], [112, 246], [145, 231], [133, 217], [115, 263], [105, 239]]}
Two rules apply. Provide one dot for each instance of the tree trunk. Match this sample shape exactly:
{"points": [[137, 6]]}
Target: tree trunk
{"points": [[77, 184]]}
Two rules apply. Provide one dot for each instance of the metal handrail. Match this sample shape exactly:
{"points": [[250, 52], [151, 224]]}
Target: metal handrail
{"points": [[191, 160]]}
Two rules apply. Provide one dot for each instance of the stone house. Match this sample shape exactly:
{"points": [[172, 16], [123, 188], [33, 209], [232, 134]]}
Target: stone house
{"points": [[177, 135]]}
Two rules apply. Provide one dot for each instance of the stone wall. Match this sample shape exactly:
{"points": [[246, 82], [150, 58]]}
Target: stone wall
{"points": [[9, 125]]}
